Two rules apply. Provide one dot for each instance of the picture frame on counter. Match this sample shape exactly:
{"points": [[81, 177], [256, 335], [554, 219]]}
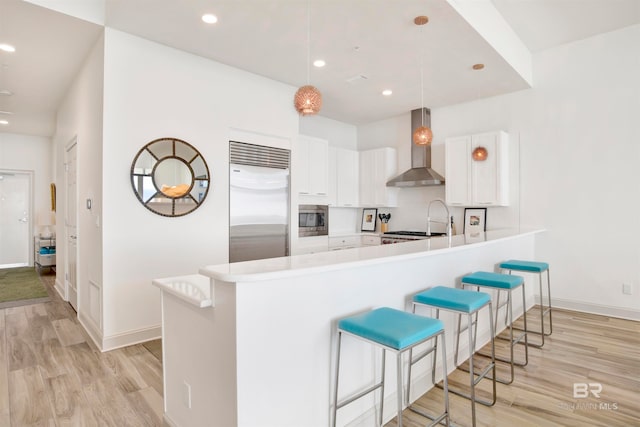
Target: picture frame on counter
{"points": [[475, 221], [369, 216]]}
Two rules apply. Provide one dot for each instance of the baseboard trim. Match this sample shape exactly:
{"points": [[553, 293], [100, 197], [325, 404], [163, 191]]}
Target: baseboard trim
{"points": [[168, 422], [128, 338], [60, 289], [93, 332], [603, 310], [124, 339]]}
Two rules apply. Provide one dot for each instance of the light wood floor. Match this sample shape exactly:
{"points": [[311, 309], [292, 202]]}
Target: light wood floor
{"points": [[583, 348], [52, 375]]}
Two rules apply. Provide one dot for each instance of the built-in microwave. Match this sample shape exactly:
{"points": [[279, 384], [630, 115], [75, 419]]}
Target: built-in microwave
{"points": [[313, 220]]}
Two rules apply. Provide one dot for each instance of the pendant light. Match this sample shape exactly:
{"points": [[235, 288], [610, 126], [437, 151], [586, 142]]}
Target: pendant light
{"points": [[479, 154], [422, 135], [308, 99]]}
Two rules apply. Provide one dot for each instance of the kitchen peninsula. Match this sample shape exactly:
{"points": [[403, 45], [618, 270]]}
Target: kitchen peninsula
{"points": [[253, 343]]}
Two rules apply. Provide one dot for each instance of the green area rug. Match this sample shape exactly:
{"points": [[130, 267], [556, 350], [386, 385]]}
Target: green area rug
{"points": [[20, 286]]}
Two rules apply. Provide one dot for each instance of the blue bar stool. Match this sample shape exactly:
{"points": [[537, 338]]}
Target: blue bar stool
{"points": [[504, 283], [539, 268], [396, 331], [462, 301]]}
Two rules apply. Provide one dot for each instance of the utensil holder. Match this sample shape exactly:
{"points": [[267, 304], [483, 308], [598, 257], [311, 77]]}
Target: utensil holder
{"points": [[384, 227]]}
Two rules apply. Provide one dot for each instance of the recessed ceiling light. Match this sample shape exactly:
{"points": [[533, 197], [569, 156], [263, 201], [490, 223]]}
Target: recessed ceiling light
{"points": [[209, 18], [478, 66], [4, 122], [319, 63], [7, 47], [387, 92]]}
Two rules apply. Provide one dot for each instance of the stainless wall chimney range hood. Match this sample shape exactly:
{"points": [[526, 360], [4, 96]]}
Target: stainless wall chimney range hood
{"points": [[420, 174]]}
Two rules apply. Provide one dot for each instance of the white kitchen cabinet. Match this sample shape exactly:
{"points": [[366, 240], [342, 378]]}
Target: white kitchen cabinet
{"points": [[370, 240], [343, 242], [343, 177], [312, 166], [311, 245], [353, 241], [376, 168], [477, 183]]}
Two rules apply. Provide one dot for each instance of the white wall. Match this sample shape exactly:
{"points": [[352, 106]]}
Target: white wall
{"points": [[152, 91], [30, 154], [580, 175], [575, 138], [79, 118], [339, 134]]}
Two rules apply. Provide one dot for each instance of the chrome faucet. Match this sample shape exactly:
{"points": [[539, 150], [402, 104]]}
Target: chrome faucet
{"points": [[447, 220]]}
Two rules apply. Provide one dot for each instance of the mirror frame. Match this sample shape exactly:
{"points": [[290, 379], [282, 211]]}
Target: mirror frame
{"points": [[159, 202]]}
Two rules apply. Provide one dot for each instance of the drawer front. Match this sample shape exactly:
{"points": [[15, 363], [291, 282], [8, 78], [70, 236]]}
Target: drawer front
{"points": [[370, 240], [344, 242]]}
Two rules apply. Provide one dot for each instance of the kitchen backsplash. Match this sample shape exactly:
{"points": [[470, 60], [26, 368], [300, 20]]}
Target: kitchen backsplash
{"points": [[344, 220]]}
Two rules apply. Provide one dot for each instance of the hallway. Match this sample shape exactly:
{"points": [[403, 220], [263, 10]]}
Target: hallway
{"points": [[51, 373]]}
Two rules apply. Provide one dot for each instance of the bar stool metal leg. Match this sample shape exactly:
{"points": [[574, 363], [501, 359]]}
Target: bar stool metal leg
{"points": [[470, 303], [357, 396], [548, 309], [508, 283], [395, 331], [538, 268], [445, 386]]}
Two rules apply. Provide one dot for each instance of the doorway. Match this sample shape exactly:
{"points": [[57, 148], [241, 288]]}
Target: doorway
{"points": [[15, 218], [70, 223]]}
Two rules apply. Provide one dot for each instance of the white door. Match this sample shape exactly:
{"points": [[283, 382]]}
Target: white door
{"points": [[71, 216], [15, 218]]}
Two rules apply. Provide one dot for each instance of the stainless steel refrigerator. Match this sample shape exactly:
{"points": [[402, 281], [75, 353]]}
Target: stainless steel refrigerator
{"points": [[258, 202]]}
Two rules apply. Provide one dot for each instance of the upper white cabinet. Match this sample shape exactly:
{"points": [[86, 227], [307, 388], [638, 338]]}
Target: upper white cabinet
{"points": [[376, 168], [312, 168], [343, 177], [472, 182]]}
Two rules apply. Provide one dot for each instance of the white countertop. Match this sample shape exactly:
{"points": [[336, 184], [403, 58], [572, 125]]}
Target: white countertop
{"points": [[273, 268]]}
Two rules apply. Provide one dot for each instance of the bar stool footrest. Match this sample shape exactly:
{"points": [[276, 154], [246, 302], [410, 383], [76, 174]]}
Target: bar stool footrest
{"points": [[357, 396], [516, 340], [435, 420], [529, 332], [502, 359], [482, 374], [468, 396]]}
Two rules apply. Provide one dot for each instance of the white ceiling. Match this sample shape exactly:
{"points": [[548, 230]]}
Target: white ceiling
{"points": [[372, 38]]}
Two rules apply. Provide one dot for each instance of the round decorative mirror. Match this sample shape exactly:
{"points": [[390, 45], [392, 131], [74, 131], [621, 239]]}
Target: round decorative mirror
{"points": [[170, 177]]}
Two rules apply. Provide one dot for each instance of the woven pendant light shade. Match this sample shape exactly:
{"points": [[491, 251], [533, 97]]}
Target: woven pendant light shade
{"points": [[308, 100], [479, 154], [422, 136]]}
